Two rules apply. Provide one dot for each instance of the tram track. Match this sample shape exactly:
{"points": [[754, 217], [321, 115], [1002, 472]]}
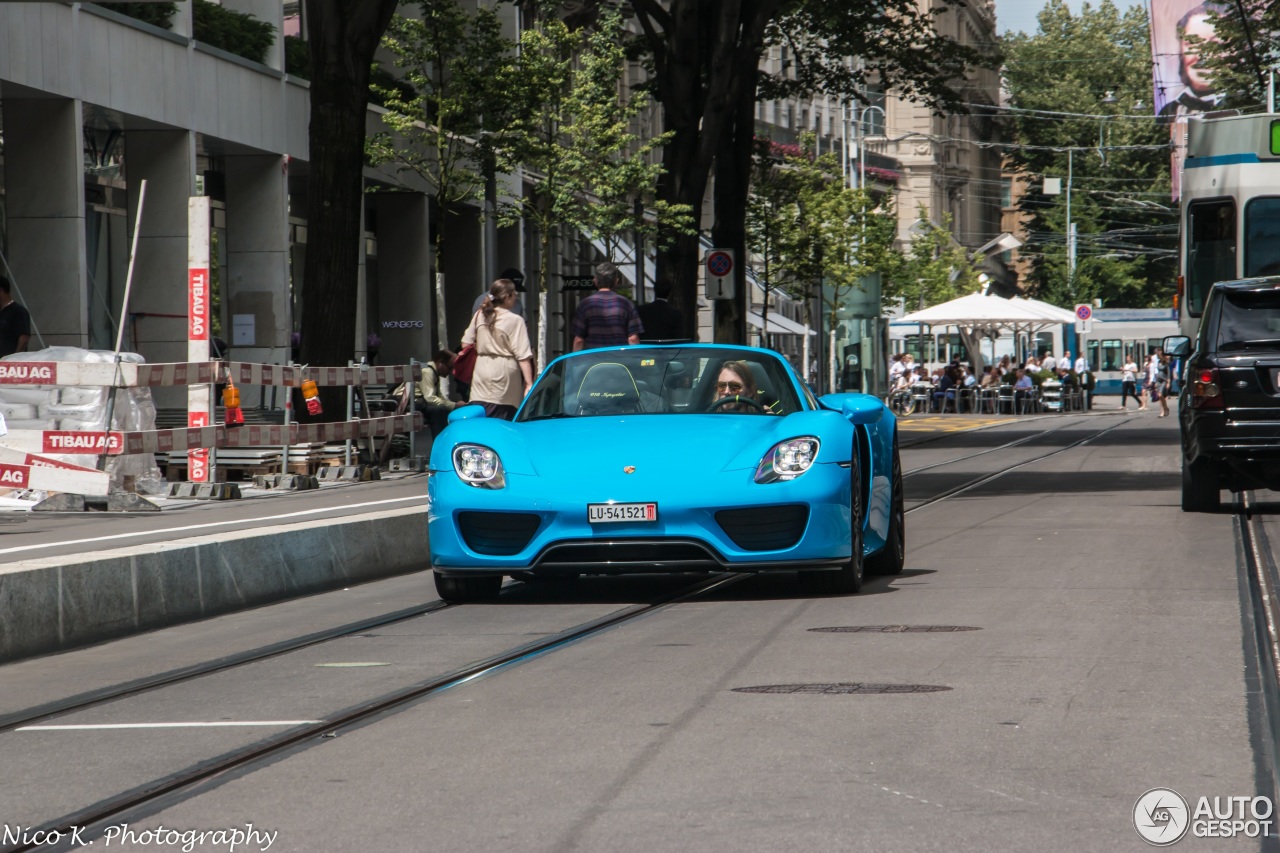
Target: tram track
{"points": [[1262, 642], [181, 784], [1005, 446], [92, 820], [102, 696]]}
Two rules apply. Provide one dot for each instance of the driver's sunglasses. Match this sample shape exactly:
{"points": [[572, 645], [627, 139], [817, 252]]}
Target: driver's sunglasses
{"points": [[735, 387]]}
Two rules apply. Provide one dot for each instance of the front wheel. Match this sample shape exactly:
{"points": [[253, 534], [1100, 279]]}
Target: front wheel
{"points": [[1201, 487], [890, 559], [464, 590], [847, 579]]}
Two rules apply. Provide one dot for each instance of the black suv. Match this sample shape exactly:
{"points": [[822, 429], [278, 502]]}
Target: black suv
{"points": [[1230, 401]]}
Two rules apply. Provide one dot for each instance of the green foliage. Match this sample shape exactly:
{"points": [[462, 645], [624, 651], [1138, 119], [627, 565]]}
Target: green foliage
{"points": [[934, 269], [297, 57], [1058, 79], [453, 67], [234, 32], [156, 14], [808, 228], [1238, 56], [584, 166]]}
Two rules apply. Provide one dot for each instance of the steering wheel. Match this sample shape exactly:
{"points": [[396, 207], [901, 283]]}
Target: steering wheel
{"points": [[725, 401]]}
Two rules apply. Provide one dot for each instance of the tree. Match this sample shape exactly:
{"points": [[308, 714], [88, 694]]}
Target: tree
{"points": [[584, 168], [706, 64], [344, 35], [1060, 80], [1242, 50], [935, 268], [811, 231], [456, 65]]}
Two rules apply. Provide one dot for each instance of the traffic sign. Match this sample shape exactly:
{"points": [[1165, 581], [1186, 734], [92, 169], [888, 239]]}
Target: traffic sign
{"points": [[578, 282], [1084, 327], [1084, 311], [719, 281]]}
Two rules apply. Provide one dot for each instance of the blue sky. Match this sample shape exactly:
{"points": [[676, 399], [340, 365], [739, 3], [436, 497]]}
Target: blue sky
{"points": [[1021, 14]]}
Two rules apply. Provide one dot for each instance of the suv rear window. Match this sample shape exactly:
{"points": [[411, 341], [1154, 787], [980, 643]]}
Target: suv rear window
{"points": [[1249, 319]]}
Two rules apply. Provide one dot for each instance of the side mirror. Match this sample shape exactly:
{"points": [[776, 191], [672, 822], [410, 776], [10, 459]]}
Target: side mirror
{"points": [[857, 409], [463, 413], [1176, 346]]}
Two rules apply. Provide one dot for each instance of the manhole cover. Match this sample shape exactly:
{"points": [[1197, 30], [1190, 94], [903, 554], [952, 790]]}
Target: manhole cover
{"points": [[894, 629], [843, 689]]}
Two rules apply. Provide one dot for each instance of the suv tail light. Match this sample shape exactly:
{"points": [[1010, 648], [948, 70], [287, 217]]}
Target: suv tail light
{"points": [[1206, 393]]}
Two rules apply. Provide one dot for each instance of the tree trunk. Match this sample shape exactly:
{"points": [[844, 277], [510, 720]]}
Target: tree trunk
{"points": [[343, 36], [732, 187]]}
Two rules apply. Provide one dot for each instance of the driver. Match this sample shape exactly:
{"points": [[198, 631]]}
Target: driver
{"points": [[737, 380]]}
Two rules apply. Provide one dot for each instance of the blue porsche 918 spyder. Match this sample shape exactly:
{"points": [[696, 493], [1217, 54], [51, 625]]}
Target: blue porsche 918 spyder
{"points": [[667, 458]]}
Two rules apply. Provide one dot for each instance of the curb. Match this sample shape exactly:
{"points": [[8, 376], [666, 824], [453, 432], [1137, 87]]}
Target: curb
{"points": [[50, 605]]}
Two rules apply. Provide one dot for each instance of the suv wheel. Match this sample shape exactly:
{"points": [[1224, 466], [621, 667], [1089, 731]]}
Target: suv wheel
{"points": [[1201, 487]]}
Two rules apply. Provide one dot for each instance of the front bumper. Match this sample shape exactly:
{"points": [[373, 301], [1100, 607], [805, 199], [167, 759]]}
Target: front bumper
{"points": [[703, 524]]}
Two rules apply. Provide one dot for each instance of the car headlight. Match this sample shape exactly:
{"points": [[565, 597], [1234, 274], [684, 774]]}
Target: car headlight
{"points": [[787, 460], [479, 466]]}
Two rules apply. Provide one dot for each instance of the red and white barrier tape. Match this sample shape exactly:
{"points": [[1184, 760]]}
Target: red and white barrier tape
{"points": [[76, 373], [178, 440], [20, 470]]}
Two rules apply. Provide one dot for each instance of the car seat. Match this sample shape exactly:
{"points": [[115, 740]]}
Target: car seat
{"points": [[608, 389]]}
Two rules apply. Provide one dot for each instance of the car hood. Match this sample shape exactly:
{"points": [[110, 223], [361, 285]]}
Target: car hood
{"points": [[670, 443]]}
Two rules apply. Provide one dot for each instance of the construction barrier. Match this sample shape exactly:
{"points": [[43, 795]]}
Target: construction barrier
{"points": [[24, 453]]}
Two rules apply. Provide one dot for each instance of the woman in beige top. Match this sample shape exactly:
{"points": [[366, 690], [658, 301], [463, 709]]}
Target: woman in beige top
{"points": [[504, 358]]}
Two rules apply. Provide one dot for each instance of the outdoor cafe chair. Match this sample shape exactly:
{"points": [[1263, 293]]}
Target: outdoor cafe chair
{"points": [[1004, 397]]}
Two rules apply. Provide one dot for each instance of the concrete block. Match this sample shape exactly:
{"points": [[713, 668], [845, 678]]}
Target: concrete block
{"points": [[358, 473], [129, 502], [61, 503], [205, 491], [414, 464], [286, 482]]}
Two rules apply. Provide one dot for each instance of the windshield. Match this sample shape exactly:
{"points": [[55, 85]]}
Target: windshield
{"points": [[662, 380], [1249, 319]]}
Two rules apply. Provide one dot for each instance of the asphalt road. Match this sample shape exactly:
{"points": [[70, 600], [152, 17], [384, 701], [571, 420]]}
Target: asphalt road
{"points": [[1108, 649]]}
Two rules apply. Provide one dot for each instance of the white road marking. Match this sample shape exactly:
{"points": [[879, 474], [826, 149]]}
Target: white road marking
{"points": [[354, 663], [208, 525], [220, 724]]}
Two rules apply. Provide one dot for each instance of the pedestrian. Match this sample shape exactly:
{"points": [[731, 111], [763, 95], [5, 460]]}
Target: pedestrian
{"points": [[1065, 364], [504, 359], [606, 318], [428, 393], [1160, 382], [15, 323], [1129, 383], [662, 321]]}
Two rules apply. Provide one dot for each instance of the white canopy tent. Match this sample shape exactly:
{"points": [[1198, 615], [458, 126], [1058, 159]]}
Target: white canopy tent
{"points": [[981, 315]]}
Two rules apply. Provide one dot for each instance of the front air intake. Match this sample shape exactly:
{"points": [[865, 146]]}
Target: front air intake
{"points": [[498, 534], [764, 528]]}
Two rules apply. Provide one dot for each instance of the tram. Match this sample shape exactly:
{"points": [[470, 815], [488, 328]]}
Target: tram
{"points": [[1118, 334], [1229, 214]]}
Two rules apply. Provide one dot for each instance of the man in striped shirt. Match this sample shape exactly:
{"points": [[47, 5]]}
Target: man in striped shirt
{"points": [[606, 318]]}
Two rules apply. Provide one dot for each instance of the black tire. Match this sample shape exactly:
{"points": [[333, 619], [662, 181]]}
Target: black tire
{"points": [[1201, 487], [890, 559], [456, 590], [846, 580]]}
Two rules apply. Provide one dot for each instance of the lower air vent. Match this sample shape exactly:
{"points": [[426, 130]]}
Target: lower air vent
{"points": [[497, 534], [765, 528]]}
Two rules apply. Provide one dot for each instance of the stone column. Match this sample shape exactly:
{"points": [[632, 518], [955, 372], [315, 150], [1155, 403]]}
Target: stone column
{"points": [[255, 282], [44, 198], [404, 279], [166, 160]]}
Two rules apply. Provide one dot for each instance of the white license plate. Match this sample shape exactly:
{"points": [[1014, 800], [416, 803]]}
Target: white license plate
{"points": [[602, 513]]}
